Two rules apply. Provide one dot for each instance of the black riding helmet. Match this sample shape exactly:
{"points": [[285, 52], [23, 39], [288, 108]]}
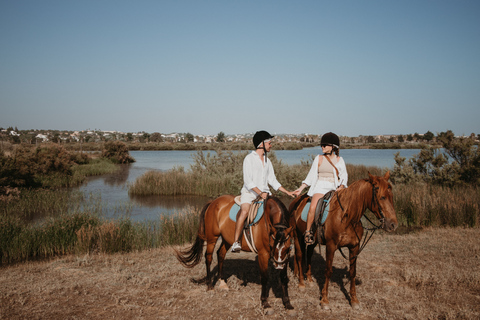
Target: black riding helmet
{"points": [[330, 138], [260, 136]]}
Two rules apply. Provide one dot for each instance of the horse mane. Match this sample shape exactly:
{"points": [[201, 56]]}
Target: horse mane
{"points": [[285, 214], [346, 198]]}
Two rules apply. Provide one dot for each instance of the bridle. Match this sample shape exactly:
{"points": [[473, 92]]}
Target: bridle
{"points": [[380, 211], [279, 227], [281, 262]]}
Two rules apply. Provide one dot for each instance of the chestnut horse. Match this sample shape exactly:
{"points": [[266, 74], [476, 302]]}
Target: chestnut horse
{"points": [[271, 236], [343, 228]]}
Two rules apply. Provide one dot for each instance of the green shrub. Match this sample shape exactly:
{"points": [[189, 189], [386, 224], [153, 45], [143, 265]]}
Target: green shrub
{"points": [[457, 164], [117, 152]]}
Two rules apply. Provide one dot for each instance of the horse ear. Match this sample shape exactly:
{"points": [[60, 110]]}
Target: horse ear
{"points": [[387, 175], [289, 230], [370, 177]]}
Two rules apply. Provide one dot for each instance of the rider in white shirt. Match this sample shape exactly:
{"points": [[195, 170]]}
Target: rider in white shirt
{"points": [[258, 174]]}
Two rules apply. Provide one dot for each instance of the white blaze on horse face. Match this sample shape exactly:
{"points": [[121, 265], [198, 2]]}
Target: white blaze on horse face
{"points": [[278, 261]]}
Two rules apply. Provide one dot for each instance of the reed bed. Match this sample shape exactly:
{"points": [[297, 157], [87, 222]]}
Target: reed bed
{"points": [[95, 167], [422, 204], [37, 204], [81, 233], [212, 175]]}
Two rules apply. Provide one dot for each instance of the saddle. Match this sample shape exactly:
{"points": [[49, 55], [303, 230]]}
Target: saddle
{"points": [[254, 215], [321, 214]]}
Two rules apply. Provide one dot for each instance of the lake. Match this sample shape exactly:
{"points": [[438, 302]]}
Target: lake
{"points": [[112, 190]]}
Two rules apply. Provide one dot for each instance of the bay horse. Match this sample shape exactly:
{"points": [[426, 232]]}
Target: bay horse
{"points": [[271, 236], [343, 228]]}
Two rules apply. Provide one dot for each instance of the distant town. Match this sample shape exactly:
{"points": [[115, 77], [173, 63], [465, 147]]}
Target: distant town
{"points": [[15, 136]]}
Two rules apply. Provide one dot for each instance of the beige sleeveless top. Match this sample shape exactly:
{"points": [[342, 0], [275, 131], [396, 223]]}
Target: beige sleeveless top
{"points": [[325, 171]]}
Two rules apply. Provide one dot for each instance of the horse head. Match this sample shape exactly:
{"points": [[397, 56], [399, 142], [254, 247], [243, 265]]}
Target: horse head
{"points": [[280, 250], [280, 233], [382, 201]]}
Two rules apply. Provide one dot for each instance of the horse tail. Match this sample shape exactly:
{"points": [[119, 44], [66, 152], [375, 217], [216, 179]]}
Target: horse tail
{"points": [[192, 256]]}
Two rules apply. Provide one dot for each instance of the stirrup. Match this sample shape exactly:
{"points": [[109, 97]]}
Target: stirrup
{"points": [[308, 237]]}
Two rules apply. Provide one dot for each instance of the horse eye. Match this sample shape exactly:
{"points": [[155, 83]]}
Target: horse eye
{"points": [[382, 198]]}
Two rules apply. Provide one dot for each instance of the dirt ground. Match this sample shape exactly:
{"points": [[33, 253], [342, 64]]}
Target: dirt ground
{"points": [[429, 274]]}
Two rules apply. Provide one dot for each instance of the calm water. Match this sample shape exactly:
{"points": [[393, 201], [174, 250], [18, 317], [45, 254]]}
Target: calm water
{"points": [[112, 190]]}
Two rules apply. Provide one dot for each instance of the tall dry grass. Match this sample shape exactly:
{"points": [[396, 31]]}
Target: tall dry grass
{"points": [[421, 204], [78, 233]]}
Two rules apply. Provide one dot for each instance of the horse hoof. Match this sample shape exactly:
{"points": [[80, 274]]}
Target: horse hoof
{"points": [[291, 313], [325, 306], [223, 285], [269, 311], [355, 306]]}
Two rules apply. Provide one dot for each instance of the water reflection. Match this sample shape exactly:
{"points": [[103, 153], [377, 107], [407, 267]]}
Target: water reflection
{"points": [[119, 178]]}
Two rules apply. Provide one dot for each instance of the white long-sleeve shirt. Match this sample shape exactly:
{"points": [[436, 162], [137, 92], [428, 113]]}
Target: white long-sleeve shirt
{"points": [[312, 176], [257, 173]]}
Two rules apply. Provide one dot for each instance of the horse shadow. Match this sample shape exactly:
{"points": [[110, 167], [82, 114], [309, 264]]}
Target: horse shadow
{"points": [[339, 275], [247, 271]]}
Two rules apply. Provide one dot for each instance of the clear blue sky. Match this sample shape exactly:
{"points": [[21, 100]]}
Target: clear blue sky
{"points": [[352, 67]]}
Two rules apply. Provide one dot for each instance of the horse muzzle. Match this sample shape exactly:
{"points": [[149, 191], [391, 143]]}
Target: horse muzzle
{"points": [[389, 225], [280, 265]]}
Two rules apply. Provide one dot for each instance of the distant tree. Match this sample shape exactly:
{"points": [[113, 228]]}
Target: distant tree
{"points": [[400, 138], [428, 136], [146, 136], [371, 139], [156, 137], [129, 136], [409, 137], [189, 137], [417, 137], [221, 137], [55, 138]]}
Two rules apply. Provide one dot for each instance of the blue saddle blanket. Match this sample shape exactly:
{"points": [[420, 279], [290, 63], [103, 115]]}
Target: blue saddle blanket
{"points": [[325, 212], [236, 207]]}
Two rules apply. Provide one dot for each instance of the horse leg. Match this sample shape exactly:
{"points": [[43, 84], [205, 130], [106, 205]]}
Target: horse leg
{"points": [[284, 283], [353, 254], [208, 262], [298, 262], [330, 252], [221, 252], [310, 249], [263, 264]]}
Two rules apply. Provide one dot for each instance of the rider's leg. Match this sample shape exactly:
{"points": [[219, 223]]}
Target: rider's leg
{"points": [[241, 216], [311, 210]]}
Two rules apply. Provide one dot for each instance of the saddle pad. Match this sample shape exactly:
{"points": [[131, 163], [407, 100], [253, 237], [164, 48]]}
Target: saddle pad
{"points": [[325, 212], [236, 207]]}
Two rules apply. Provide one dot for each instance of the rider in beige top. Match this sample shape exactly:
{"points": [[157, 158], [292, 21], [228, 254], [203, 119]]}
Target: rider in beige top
{"points": [[323, 177]]}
